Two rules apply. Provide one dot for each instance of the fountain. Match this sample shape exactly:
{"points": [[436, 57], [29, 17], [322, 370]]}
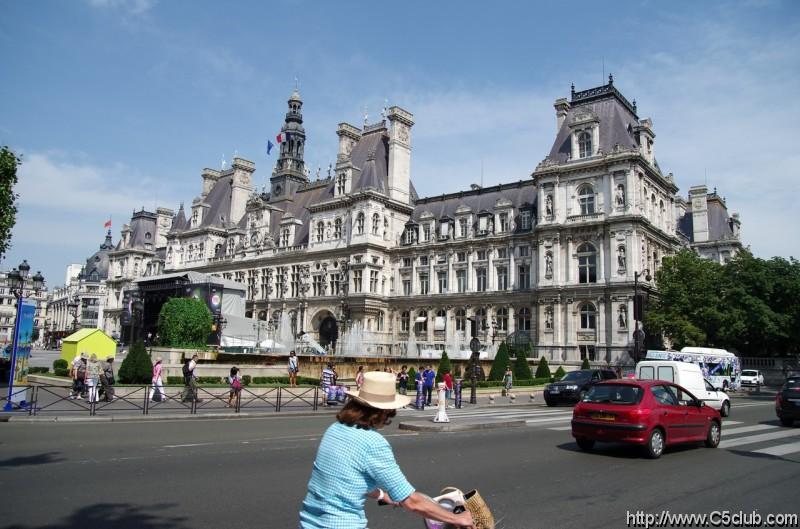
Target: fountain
{"points": [[352, 341], [411, 346], [284, 337]]}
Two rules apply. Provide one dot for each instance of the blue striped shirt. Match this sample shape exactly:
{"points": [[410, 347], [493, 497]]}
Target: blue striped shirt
{"points": [[350, 463]]}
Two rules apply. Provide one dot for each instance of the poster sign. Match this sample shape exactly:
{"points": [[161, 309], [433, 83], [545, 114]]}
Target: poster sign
{"points": [[25, 329]]}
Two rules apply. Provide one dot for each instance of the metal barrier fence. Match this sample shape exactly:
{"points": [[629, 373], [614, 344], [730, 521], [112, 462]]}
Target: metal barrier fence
{"points": [[153, 400]]}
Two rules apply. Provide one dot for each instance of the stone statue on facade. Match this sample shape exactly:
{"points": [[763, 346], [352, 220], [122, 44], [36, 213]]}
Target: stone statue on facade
{"points": [[619, 197], [622, 318], [621, 259], [548, 318], [548, 264], [548, 205]]}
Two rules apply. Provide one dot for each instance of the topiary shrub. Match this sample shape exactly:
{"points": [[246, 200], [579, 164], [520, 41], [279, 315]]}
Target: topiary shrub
{"points": [[412, 376], [501, 362], [444, 367], [543, 370], [522, 371], [61, 372], [585, 364], [246, 379], [559, 374], [184, 322], [137, 367], [60, 364]]}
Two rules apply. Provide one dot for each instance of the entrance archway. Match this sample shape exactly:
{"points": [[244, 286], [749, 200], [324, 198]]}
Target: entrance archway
{"points": [[328, 331]]}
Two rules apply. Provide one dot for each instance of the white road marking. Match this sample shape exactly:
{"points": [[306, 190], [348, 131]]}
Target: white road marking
{"points": [[780, 450], [750, 404], [745, 429], [726, 422], [551, 419], [561, 428], [751, 439]]}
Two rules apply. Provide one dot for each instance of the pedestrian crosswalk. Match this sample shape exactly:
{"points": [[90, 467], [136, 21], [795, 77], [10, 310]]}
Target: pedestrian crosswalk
{"points": [[763, 438]]}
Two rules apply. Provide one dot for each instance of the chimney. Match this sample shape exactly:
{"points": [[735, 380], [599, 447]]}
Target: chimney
{"points": [[562, 107], [698, 202], [241, 187], [348, 137], [400, 153], [210, 177], [163, 225]]}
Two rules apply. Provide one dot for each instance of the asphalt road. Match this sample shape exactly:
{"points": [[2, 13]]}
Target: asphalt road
{"points": [[253, 472]]}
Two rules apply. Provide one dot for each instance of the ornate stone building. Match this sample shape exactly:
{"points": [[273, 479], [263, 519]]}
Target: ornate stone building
{"points": [[548, 260]]}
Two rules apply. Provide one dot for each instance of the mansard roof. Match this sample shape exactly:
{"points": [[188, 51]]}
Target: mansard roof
{"points": [[217, 215], [143, 230], [720, 224], [616, 116], [179, 221], [98, 262], [520, 195]]}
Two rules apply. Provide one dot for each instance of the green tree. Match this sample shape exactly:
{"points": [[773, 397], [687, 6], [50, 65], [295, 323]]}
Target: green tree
{"points": [[522, 371], [8, 198], [412, 375], [585, 364], [444, 367], [136, 368], [543, 370], [559, 374], [184, 322], [501, 362]]}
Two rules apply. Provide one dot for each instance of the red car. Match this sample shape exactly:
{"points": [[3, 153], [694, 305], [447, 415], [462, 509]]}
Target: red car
{"points": [[649, 413]]}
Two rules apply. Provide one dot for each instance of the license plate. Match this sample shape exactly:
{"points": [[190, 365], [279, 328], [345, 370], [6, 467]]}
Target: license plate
{"points": [[555, 391], [602, 416]]}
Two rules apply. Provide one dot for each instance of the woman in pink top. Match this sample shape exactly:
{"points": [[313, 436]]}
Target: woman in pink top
{"points": [[360, 377], [158, 385], [448, 386]]}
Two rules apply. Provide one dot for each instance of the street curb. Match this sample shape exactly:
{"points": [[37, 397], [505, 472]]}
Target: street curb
{"points": [[425, 426]]}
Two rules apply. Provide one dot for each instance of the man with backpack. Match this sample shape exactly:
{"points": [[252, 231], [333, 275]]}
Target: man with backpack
{"points": [[189, 380], [78, 373]]}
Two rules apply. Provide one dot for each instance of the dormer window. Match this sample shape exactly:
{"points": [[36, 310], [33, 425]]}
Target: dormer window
{"points": [[584, 144], [525, 219], [503, 219], [320, 231], [444, 229], [194, 218], [426, 232], [341, 184], [586, 200], [337, 229], [285, 237]]}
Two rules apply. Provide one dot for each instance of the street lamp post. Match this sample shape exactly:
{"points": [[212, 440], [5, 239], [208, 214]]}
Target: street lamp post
{"points": [[637, 310], [73, 306], [16, 279]]}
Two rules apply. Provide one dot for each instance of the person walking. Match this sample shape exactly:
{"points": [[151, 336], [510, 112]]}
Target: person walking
{"points": [[447, 378], [190, 380], [359, 377], [354, 462], [92, 379], [78, 373], [428, 377], [327, 382], [507, 380], [157, 389], [235, 380], [402, 381], [293, 368], [107, 379]]}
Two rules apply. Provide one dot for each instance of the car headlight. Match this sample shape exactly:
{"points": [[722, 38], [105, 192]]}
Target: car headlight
{"points": [[572, 386]]}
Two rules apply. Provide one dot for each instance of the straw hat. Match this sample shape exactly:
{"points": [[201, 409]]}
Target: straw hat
{"points": [[378, 391]]}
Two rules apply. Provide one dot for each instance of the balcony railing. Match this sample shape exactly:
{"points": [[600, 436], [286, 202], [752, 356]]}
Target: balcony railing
{"points": [[585, 218]]}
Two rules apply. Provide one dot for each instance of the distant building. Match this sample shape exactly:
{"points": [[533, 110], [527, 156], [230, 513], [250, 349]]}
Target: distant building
{"points": [[547, 261], [705, 222]]}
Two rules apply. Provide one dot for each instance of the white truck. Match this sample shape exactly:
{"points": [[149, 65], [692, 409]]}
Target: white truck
{"points": [[688, 375]]}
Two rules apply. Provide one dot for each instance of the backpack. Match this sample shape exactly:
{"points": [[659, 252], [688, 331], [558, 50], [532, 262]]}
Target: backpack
{"points": [[81, 371], [186, 371]]}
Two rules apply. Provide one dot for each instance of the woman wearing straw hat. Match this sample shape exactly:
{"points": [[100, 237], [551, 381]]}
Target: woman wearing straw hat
{"points": [[157, 389], [355, 461]]}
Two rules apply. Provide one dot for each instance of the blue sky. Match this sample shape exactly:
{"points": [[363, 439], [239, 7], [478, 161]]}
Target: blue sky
{"points": [[119, 104]]}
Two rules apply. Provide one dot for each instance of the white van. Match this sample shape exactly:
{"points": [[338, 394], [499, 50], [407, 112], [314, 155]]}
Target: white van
{"points": [[688, 375]]}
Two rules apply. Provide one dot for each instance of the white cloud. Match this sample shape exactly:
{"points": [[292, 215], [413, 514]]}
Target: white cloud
{"points": [[134, 7]]}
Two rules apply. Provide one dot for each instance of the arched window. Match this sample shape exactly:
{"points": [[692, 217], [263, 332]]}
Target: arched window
{"points": [[360, 223], [405, 321], [584, 144], [217, 250], [587, 263], [201, 250], [461, 320], [341, 184], [421, 322], [190, 254], [337, 229], [480, 320], [524, 319], [586, 200], [320, 231], [441, 320], [502, 319], [376, 223], [588, 317], [231, 246], [380, 321]]}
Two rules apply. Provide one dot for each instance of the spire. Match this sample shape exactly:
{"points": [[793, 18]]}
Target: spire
{"points": [[108, 243], [290, 168]]}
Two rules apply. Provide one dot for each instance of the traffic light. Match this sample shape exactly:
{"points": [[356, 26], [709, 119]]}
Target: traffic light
{"points": [[638, 307]]}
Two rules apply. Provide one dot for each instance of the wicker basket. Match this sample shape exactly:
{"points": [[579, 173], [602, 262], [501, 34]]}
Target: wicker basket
{"points": [[481, 514]]}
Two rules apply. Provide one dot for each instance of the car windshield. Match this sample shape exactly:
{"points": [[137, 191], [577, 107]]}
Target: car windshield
{"points": [[749, 373], [576, 376], [614, 394]]}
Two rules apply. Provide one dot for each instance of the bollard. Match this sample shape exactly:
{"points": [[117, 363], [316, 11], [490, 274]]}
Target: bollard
{"points": [[533, 397], [491, 399], [420, 401], [441, 413], [457, 392]]}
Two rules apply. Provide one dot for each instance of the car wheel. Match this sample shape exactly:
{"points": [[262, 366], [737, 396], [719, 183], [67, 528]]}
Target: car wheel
{"points": [[585, 444], [725, 410], [549, 402], [787, 421], [714, 435], [655, 444]]}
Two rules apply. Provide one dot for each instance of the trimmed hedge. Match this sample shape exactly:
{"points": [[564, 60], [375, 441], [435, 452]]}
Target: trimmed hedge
{"points": [[502, 361], [542, 370], [61, 372], [136, 368], [60, 363], [247, 380], [184, 322], [34, 370], [499, 383], [559, 374]]}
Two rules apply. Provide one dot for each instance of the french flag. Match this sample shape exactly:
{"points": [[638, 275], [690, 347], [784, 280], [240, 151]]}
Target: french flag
{"points": [[283, 137]]}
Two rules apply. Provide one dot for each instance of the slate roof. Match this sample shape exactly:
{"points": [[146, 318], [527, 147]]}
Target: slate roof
{"points": [[616, 115], [98, 262], [520, 195], [720, 225]]}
